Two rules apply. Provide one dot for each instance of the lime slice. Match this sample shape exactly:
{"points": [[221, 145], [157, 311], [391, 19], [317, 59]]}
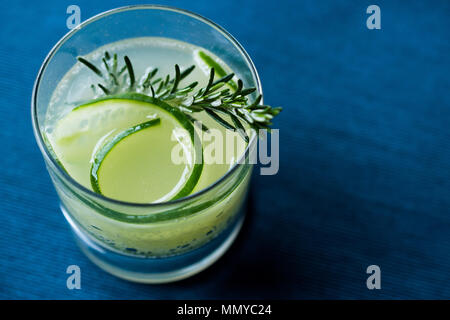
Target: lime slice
{"points": [[133, 164], [109, 146]]}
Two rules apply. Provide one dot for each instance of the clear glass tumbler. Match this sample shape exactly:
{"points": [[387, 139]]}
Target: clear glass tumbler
{"points": [[149, 243]]}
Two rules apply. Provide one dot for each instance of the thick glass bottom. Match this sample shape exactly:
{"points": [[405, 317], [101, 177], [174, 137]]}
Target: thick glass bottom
{"points": [[155, 270]]}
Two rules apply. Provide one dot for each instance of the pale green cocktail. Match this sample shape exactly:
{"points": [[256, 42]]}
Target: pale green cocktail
{"points": [[139, 168], [145, 200]]}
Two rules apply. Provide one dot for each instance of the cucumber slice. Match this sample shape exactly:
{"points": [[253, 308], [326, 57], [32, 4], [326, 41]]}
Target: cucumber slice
{"points": [[109, 146], [84, 134], [218, 69]]}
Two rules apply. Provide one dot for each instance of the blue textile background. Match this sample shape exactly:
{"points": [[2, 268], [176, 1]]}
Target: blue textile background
{"points": [[365, 156]]}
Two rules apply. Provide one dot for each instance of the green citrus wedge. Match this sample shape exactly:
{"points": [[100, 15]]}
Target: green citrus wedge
{"points": [[127, 142], [109, 146]]}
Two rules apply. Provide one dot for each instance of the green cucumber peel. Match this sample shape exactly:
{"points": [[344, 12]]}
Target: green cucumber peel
{"points": [[109, 146], [217, 68], [181, 118]]}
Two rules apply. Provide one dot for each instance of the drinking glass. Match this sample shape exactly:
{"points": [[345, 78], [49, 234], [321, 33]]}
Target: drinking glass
{"points": [[156, 242]]}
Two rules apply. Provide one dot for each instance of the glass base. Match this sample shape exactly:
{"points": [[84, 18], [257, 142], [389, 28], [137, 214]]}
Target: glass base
{"points": [[155, 270]]}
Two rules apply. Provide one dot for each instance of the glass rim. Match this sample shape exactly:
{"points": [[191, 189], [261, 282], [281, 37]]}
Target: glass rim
{"points": [[68, 35]]}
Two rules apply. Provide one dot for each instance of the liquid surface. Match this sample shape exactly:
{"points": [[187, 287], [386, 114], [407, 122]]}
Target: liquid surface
{"points": [[140, 169]]}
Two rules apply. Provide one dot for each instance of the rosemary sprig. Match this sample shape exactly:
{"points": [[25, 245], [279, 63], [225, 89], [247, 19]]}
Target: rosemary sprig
{"points": [[215, 99]]}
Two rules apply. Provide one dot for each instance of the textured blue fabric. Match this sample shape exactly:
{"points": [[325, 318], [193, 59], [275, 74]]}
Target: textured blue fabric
{"points": [[365, 156]]}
